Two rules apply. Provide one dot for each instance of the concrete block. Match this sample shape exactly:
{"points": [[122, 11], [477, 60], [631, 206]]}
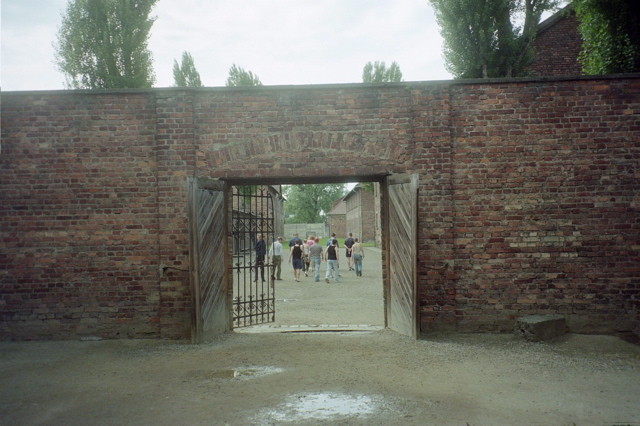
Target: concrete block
{"points": [[536, 328]]}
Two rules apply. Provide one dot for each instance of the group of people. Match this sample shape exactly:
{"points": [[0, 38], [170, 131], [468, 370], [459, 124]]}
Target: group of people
{"points": [[307, 255]]}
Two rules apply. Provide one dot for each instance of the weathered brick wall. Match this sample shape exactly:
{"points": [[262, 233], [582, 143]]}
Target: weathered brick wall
{"points": [[353, 222], [305, 132], [361, 215], [368, 217], [546, 203], [79, 218], [528, 196], [337, 224], [176, 158], [557, 47], [432, 135]]}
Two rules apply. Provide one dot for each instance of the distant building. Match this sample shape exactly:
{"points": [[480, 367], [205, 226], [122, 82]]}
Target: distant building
{"points": [[336, 218], [557, 45], [360, 214]]}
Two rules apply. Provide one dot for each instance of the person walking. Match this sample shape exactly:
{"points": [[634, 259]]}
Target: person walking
{"points": [[310, 242], [357, 251], [316, 254], [295, 257], [305, 258], [275, 258], [331, 254], [348, 242], [261, 251]]}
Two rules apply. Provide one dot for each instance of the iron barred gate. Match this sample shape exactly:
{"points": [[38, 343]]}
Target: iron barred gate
{"points": [[252, 216]]}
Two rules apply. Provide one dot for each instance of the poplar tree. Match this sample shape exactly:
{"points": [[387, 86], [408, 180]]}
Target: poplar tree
{"points": [[186, 75], [239, 77], [379, 73], [102, 44], [482, 38]]}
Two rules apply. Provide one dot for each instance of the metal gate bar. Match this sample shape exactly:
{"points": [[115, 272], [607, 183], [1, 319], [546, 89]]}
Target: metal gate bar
{"points": [[253, 290]]}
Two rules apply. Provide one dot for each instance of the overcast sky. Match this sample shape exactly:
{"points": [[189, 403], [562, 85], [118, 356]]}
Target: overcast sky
{"points": [[282, 41]]}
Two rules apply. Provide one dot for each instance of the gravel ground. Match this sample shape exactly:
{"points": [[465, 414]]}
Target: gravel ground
{"points": [[355, 377], [352, 301]]}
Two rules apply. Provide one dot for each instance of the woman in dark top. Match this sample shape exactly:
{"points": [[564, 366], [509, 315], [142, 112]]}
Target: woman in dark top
{"points": [[295, 257], [331, 254]]}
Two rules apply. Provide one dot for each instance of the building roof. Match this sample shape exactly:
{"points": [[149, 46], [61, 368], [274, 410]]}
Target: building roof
{"points": [[555, 18], [339, 207], [352, 192]]}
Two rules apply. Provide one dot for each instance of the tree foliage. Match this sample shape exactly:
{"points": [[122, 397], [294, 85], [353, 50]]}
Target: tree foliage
{"points": [[611, 35], [367, 186], [102, 44], [239, 77], [310, 203], [379, 73], [186, 75], [482, 38]]}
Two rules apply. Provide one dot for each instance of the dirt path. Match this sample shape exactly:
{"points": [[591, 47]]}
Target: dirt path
{"points": [[352, 377]]}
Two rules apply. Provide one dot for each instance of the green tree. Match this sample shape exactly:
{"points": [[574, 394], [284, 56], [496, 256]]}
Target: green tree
{"points": [[310, 203], [239, 77], [102, 44], [367, 186], [481, 39], [379, 73], [611, 35], [186, 75]]}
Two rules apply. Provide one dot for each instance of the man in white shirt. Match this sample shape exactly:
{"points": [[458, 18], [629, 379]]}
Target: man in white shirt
{"points": [[275, 257]]}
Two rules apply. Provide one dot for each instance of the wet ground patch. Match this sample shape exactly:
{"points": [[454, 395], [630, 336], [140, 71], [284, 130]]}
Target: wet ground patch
{"points": [[326, 406]]}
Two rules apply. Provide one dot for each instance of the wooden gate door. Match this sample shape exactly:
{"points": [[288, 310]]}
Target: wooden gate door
{"points": [[211, 314], [402, 256]]}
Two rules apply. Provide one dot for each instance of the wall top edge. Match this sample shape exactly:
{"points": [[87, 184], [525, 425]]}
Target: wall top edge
{"points": [[408, 85]]}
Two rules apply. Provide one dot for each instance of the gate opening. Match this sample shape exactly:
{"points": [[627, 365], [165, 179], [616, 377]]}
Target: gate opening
{"points": [[226, 263], [353, 302], [253, 225]]}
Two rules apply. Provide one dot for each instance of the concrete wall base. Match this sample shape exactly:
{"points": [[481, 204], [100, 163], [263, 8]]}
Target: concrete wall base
{"points": [[536, 328]]}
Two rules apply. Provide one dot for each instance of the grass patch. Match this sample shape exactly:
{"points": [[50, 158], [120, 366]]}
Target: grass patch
{"points": [[323, 243]]}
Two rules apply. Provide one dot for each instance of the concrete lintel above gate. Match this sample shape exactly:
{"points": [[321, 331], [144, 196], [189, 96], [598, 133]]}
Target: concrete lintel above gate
{"points": [[295, 180], [207, 183]]}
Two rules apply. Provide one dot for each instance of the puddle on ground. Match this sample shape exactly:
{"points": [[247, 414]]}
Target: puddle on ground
{"points": [[240, 373], [323, 406]]}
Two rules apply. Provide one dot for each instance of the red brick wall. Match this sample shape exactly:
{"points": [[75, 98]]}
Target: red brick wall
{"points": [[528, 192], [557, 48], [361, 215], [368, 217], [79, 216], [337, 224], [546, 201]]}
